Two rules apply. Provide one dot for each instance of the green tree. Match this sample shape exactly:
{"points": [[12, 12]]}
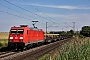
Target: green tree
{"points": [[62, 33], [85, 31], [71, 32]]}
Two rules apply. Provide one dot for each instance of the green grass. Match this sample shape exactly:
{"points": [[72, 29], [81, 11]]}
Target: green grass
{"points": [[3, 43], [45, 57], [77, 49]]}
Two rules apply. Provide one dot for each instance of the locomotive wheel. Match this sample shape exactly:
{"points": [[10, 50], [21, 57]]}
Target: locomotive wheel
{"points": [[28, 47], [34, 44], [38, 44], [22, 49]]}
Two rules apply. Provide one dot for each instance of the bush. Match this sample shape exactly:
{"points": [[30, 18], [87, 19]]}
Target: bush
{"points": [[0, 44], [3, 42], [81, 36]]}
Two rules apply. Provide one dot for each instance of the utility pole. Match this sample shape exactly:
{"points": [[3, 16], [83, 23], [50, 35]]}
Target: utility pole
{"points": [[46, 28], [73, 26], [62, 29]]}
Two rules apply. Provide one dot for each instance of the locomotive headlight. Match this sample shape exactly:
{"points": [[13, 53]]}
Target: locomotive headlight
{"points": [[21, 37], [11, 37]]}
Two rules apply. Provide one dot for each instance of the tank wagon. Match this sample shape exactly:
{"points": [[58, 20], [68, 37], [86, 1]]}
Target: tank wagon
{"points": [[24, 37]]}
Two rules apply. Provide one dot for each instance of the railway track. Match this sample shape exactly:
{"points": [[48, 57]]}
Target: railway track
{"points": [[6, 54], [33, 53], [36, 54], [3, 53]]}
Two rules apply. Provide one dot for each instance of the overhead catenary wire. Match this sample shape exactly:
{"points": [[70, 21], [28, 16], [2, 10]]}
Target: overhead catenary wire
{"points": [[18, 16], [41, 12], [26, 10], [15, 10], [14, 15], [18, 12], [30, 12], [38, 10]]}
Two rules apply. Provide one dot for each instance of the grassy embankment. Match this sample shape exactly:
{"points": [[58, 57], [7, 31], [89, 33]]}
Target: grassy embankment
{"points": [[3, 39], [76, 49]]}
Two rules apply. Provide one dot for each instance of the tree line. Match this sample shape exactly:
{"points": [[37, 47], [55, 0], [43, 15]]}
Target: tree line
{"points": [[85, 31]]}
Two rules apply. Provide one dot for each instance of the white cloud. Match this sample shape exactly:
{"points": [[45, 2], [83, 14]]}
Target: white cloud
{"points": [[62, 6], [68, 16]]}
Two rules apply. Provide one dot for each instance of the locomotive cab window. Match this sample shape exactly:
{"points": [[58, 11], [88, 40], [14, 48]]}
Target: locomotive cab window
{"points": [[17, 31], [20, 31], [13, 31]]}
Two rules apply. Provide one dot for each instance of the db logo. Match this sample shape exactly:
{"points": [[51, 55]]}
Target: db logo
{"points": [[16, 37]]}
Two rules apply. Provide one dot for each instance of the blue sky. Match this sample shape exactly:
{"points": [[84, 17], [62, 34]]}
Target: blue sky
{"points": [[62, 12]]}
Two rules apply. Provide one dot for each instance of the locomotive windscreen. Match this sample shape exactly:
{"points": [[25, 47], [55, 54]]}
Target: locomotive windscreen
{"points": [[17, 31]]}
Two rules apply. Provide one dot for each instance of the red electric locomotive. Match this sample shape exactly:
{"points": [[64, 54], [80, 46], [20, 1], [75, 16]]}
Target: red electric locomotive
{"points": [[23, 36]]}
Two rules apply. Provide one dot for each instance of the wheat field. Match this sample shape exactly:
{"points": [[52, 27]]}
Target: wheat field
{"points": [[4, 35]]}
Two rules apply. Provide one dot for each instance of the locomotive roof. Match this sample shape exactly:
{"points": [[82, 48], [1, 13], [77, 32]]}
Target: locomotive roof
{"points": [[23, 26], [31, 28]]}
